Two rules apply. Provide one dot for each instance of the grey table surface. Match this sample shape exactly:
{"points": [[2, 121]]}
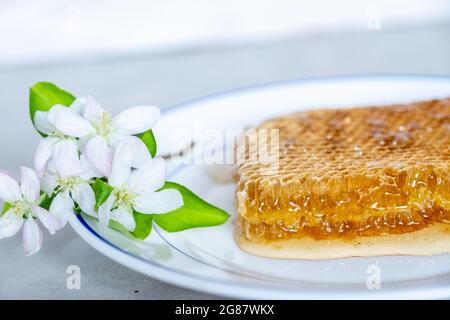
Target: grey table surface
{"points": [[164, 80]]}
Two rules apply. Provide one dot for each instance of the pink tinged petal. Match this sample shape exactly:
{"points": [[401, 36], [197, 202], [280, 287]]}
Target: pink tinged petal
{"points": [[69, 122], [104, 211], [89, 171], [32, 237], [124, 217], [42, 124], [149, 178], [66, 159], [78, 105], [29, 184], [100, 155], [48, 183], [10, 224], [136, 120], [93, 111], [158, 202], [121, 166], [62, 207], [43, 153], [51, 222], [84, 196], [9, 188]]}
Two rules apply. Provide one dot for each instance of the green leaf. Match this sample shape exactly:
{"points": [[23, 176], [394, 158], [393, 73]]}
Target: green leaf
{"points": [[102, 190], [6, 207], [143, 226], [193, 214], [44, 95], [149, 140], [119, 227], [46, 201]]}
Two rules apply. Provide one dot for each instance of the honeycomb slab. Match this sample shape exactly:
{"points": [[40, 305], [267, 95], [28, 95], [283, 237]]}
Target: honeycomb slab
{"points": [[347, 179]]}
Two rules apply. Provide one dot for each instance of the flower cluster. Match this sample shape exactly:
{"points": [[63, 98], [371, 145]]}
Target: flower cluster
{"points": [[82, 143]]}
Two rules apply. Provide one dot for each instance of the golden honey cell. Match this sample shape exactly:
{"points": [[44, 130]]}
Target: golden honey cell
{"points": [[349, 173]]}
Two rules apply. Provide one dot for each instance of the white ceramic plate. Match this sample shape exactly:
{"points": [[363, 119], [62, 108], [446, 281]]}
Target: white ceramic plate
{"points": [[208, 259]]}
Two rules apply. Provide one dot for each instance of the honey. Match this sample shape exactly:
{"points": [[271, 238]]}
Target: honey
{"points": [[348, 173]]}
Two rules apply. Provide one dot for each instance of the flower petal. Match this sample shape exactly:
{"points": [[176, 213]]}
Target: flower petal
{"points": [[69, 122], [48, 183], [124, 217], [10, 224], [115, 138], [89, 171], [93, 111], [62, 207], [42, 124], [158, 202], [51, 222], [43, 154], [32, 237], [141, 155], [84, 196], [29, 184], [149, 178], [104, 211], [9, 188], [136, 120], [65, 158], [78, 105], [99, 154], [121, 166]]}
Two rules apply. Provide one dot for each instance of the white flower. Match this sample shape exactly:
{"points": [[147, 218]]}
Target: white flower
{"points": [[69, 189], [24, 208], [59, 146], [101, 133], [136, 189]]}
